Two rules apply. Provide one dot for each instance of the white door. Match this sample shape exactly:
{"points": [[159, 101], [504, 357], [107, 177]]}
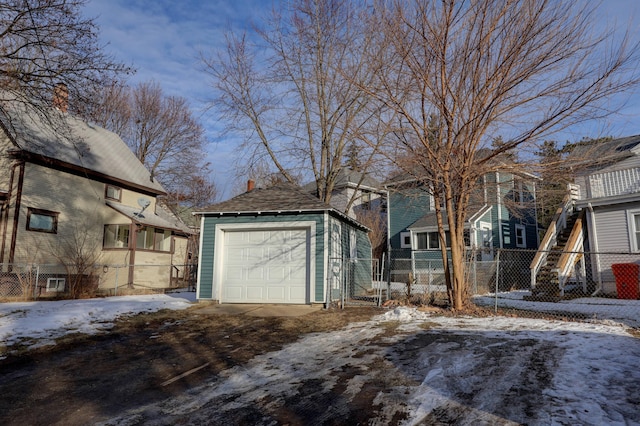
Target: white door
{"points": [[265, 266]]}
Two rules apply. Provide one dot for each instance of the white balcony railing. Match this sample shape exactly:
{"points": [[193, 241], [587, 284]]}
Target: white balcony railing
{"points": [[611, 184]]}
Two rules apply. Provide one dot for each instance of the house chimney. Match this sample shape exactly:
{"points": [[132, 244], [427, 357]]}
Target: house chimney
{"points": [[61, 97], [250, 185]]}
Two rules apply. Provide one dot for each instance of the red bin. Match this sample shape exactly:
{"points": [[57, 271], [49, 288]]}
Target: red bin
{"points": [[626, 279]]}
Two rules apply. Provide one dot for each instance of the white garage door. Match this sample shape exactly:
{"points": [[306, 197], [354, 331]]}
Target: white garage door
{"points": [[265, 266]]}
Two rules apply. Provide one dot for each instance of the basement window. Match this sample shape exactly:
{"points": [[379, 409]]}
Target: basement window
{"points": [[55, 284]]}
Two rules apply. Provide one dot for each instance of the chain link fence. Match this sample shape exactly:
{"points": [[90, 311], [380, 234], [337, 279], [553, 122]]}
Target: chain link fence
{"points": [[37, 281], [579, 285]]}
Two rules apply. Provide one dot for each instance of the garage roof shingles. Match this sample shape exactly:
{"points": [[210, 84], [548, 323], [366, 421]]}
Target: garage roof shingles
{"points": [[283, 197]]}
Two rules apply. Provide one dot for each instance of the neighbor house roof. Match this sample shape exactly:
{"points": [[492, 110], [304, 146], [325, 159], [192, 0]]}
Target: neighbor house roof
{"points": [[350, 178], [280, 198], [150, 218], [598, 153], [76, 145], [430, 220]]}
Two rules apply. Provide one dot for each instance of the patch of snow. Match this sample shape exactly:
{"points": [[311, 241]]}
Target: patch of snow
{"points": [[40, 323], [595, 308]]}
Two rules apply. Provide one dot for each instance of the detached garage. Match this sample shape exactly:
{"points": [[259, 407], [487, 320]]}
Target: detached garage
{"points": [[274, 245]]}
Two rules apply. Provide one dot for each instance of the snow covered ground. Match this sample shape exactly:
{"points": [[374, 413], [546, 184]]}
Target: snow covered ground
{"points": [[619, 310], [435, 370], [40, 323]]}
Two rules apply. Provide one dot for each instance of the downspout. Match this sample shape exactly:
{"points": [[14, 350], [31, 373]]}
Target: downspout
{"points": [[16, 214], [5, 212], [593, 242]]}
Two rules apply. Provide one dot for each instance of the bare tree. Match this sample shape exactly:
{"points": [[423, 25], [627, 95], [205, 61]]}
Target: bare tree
{"points": [[376, 221], [523, 69], [165, 136], [80, 253], [45, 42], [296, 98]]}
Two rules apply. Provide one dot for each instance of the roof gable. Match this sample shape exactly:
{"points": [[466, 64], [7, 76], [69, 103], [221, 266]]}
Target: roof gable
{"points": [[69, 140]]}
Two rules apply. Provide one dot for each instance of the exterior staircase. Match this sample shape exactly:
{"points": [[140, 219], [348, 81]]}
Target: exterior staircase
{"points": [[560, 256], [547, 286]]}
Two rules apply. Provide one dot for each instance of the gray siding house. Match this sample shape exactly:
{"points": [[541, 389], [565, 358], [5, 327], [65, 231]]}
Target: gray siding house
{"points": [[607, 192], [279, 245]]}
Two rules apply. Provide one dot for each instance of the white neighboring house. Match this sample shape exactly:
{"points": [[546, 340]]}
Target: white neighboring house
{"points": [[69, 186]]}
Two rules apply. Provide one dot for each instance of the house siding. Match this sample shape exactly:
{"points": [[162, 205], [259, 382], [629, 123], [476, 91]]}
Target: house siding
{"points": [[613, 237], [82, 211], [613, 229], [405, 207], [5, 162], [206, 287]]}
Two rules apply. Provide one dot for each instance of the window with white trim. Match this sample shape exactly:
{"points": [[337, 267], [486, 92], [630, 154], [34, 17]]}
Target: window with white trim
{"points": [[634, 229], [405, 239], [521, 236], [55, 284], [431, 240]]}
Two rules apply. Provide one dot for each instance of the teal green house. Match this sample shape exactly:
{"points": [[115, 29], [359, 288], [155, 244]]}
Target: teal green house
{"points": [[501, 214], [279, 245]]}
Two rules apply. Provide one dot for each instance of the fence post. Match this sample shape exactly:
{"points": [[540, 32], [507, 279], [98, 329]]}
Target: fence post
{"points": [[497, 280], [475, 273], [343, 282], [35, 286], [388, 295], [115, 290]]}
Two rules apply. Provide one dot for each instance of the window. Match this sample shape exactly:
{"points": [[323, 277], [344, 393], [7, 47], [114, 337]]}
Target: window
{"points": [[42, 221], [116, 236], [405, 240], [113, 193], [521, 236], [365, 201], [431, 240], [157, 239], [55, 284], [633, 218], [518, 188]]}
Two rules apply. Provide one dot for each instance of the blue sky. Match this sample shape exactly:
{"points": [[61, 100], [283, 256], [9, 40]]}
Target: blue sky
{"points": [[163, 40]]}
